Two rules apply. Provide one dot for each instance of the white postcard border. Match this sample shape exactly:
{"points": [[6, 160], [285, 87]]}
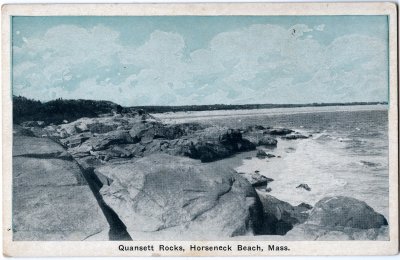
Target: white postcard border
{"points": [[110, 248]]}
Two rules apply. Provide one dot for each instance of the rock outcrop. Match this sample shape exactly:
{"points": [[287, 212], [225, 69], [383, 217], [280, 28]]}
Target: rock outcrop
{"points": [[167, 197], [278, 131], [258, 137], [256, 179], [125, 136], [215, 143], [155, 181], [51, 198], [280, 216], [341, 218]]}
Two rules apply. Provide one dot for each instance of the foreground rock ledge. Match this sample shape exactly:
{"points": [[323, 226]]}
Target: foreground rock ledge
{"points": [[169, 197], [51, 199]]}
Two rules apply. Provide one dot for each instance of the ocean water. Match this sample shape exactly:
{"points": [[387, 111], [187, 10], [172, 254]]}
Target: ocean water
{"points": [[346, 155]]}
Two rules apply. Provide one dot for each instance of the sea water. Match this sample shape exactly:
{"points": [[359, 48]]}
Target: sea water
{"points": [[347, 153]]}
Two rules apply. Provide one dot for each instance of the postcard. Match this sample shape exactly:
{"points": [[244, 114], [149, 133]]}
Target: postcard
{"points": [[235, 129]]}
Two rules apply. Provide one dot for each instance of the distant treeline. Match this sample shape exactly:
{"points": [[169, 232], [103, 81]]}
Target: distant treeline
{"points": [[56, 111], [164, 109]]}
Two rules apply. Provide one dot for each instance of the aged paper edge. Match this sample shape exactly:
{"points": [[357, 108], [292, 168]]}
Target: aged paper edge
{"points": [[110, 248]]}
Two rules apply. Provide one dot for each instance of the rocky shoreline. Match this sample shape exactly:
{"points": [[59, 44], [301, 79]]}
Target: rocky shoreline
{"points": [[127, 175]]}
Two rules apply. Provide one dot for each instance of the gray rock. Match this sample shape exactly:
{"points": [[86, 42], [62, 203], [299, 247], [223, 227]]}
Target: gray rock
{"points": [[215, 143], [304, 186], [56, 213], [138, 130], [89, 163], [19, 130], [154, 130], [313, 232], [294, 137], [341, 218], [96, 135], [259, 138], [257, 179], [102, 142], [304, 206], [75, 140], [136, 149], [51, 198], [261, 154], [33, 124], [167, 197], [124, 153], [267, 141], [345, 212], [38, 148], [278, 131], [280, 216], [101, 128], [30, 171]]}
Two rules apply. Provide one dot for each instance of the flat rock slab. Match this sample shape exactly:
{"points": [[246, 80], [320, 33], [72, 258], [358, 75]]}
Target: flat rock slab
{"points": [[56, 213], [45, 172], [169, 197], [26, 145], [51, 199]]}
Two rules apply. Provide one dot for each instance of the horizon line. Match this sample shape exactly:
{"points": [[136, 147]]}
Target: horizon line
{"points": [[223, 104]]}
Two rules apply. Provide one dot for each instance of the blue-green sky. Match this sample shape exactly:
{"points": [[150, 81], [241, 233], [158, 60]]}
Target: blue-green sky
{"points": [[202, 60]]}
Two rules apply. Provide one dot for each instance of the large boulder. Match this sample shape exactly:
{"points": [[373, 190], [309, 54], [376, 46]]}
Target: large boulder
{"points": [[215, 143], [341, 218], [346, 212], [51, 198], [168, 197], [280, 216]]}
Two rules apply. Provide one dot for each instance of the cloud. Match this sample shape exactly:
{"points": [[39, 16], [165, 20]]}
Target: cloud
{"points": [[320, 27], [299, 30], [261, 63]]}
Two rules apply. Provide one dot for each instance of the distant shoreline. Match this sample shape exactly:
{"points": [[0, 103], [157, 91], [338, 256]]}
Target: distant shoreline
{"points": [[59, 110], [266, 111], [218, 107]]}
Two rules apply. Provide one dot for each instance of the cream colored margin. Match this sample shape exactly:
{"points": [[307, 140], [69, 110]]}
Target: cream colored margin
{"points": [[110, 248]]}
